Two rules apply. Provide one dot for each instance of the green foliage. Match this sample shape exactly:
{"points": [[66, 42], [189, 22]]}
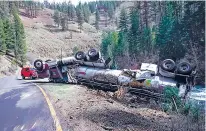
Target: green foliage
{"points": [[109, 44], [121, 46], [193, 23], [146, 39], [165, 27], [9, 34], [195, 112], [153, 36], [168, 36], [92, 6], [75, 50], [166, 107], [12, 37], [20, 43], [134, 33], [64, 22], [72, 12], [2, 38], [123, 22], [80, 16], [192, 110], [57, 18], [86, 12], [171, 97], [110, 10], [186, 109]]}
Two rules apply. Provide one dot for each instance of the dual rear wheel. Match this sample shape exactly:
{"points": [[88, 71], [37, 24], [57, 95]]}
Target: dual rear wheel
{"points": [[92, 54], [182, 68]]}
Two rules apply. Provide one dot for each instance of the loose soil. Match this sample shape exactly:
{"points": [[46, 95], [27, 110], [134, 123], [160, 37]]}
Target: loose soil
{"points": [[83, 109]]}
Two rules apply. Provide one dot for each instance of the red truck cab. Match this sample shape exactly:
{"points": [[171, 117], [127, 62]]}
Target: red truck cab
{"points": [[28, 72]]}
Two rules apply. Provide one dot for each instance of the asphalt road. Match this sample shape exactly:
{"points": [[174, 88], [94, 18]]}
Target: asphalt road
{"points": [[23, 107]]}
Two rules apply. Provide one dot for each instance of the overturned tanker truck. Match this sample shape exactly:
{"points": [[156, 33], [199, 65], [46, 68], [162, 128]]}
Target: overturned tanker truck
{"points": [[91, 69]]}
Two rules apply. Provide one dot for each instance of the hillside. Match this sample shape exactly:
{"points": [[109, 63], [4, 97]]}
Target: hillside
{"points": [[112, 23], [44, 40]]}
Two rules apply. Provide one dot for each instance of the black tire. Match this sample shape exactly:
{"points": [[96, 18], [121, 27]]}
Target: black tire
{"points": [[33, 78], [38, 64], [184, 68], [23, 77], [93, 54], [168, 65], [80, 55]]}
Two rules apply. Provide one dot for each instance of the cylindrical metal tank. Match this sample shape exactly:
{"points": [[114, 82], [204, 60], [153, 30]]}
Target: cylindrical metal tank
{"points": [[73, 60], [116, 77], [68, 60]]}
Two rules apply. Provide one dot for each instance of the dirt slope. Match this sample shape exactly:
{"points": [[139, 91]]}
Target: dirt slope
{"points": [[83, 109], [6, 67], [44, 40]]}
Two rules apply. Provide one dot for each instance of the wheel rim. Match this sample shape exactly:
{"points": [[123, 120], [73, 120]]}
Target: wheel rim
{"points": [[184, 67], [79, 56], [38, 64], [92, 53], [168, 65]]}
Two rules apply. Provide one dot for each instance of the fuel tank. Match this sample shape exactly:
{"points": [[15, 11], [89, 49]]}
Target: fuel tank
{"points": [[116, 77], [73, 61]]}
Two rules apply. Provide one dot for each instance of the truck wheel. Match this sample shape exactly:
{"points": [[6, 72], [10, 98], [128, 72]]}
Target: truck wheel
{"points": [[23, 77], [33, 78], [184, 68], [168, 65], [38, 64], [93, 55], [80, 55]]}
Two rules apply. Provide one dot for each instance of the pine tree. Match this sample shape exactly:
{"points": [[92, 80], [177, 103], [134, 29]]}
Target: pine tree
{"points": [[2, 39], [97, 19], [20, 44], [108, 46], [123, 22], [71, 11], [110, 10], [192, 34], [80, 16], [56, 18], [164, 34], [145, 40], [121, 47], [104, 45], [64, 22], [92, 6], [86, 12], [9, 34], [134, 34]]}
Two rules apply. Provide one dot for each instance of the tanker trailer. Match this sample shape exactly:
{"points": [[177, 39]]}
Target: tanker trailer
{"points": [[132, 81], [106, 79]]}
